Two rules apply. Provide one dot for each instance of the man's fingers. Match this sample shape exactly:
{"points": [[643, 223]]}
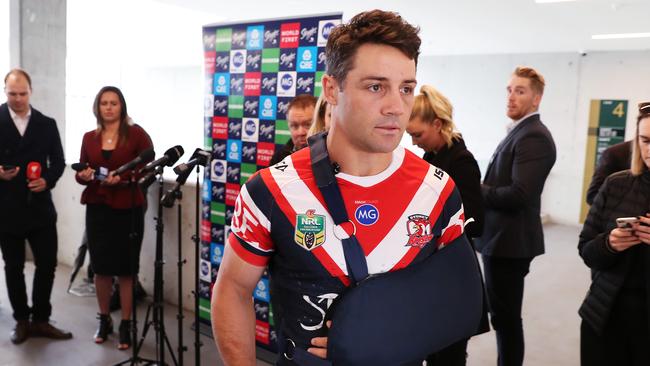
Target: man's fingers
{"points": [[318, 352], [319, 342]]}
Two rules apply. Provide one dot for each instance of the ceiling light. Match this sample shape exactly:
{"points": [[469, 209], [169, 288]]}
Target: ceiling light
{"points": [[621, 35]]}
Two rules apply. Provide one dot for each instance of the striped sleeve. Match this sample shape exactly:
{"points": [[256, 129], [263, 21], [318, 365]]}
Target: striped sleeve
{"points": [[250, 229], [451, 222]]}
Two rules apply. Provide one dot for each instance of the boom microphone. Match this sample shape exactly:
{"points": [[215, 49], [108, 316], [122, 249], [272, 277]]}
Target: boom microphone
{"points": [[144, 157], [170, 157], [200, 157]]}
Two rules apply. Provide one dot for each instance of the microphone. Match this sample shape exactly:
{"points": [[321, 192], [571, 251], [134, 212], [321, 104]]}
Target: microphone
{"points": [[33, 170], [77, 167], [144, 157], [170, 157], [200, 157]]}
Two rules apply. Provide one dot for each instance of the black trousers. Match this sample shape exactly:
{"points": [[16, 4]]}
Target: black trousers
{"points": [[44, 243], [504, 282], [453, 355], [625, 338]]}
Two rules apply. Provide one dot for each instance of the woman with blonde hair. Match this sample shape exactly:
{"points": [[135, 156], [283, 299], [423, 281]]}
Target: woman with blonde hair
{"points": [[432, 128], [322, 116], [614, 245]]}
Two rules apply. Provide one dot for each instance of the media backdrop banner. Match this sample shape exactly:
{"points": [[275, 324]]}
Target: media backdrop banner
{"points": [[252, 71]]}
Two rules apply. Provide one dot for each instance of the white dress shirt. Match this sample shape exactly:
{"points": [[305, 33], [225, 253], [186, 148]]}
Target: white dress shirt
{"points": [[20, 122]]}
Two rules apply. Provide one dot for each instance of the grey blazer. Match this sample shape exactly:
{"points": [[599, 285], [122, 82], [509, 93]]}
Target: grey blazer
{"points": [[512, 191]]}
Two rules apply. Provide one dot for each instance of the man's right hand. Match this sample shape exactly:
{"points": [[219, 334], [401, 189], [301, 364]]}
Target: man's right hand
{"points": [[621, 239], [87, 174], [8, 174]]}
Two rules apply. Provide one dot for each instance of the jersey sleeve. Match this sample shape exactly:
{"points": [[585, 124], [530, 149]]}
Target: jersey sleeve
{"points": [[250, 227], [451, 222]]}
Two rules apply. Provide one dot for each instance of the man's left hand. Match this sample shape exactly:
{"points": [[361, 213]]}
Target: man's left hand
{"points": [[320, 345], [37, 185]]}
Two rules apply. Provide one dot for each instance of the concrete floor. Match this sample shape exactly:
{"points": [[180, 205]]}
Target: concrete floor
{"points": [[555, 288]]}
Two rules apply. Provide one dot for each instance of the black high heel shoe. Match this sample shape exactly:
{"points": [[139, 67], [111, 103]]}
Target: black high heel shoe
{"points": [[105, 328], [125, 335]]}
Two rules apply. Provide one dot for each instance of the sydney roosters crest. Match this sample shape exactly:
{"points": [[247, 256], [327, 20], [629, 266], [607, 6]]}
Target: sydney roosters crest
{"points": [[418, 228]]}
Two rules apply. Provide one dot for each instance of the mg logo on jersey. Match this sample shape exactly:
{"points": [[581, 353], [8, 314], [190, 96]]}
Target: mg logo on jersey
{"points": [[308, 34], [366, 214], [418, 228], [287, 58], [250, 106], [310, 230]]}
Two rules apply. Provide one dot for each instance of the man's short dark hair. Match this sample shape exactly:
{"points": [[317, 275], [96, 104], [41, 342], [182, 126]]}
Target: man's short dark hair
{"points": [[302, 101], [19, 71], [374, 26]]}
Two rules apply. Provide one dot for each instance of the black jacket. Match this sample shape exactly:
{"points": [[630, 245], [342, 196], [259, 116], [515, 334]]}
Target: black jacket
{"points": [[461, 166], [614, 159], [22, 210], [512, 191], [622, 195], [282, 153]]}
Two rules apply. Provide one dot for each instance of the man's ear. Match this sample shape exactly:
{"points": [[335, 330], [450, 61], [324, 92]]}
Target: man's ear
{"points": [[330, 89]]}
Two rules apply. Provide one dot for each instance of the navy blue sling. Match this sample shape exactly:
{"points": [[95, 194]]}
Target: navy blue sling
{"points": [[398, 317]]}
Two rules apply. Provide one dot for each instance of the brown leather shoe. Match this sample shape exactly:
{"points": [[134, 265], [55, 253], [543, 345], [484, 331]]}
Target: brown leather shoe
{"points": [[47, 330], [20, 332]]}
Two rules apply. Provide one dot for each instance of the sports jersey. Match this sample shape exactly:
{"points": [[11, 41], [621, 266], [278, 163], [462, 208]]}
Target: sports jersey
{"points": [[400, 215]]}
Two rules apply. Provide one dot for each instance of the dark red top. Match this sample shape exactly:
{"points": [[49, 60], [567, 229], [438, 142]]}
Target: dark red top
{"points": [[120, 195]]}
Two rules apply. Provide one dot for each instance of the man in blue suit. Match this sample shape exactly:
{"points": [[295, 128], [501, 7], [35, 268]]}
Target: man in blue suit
{"points": [[512, 191]]}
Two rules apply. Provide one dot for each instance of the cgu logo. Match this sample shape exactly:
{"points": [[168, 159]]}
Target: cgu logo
{"points": [[218, 168], [269, 83], [283, 107], [249, 128], [238, 38], [221, 81], [287, 59], [236, 83], [251, 106], [266, 131], [248, 151], [238, 59], [218, 149], [271, 36], [308, 34], [286, 82], [306, 62], [253, 60], [305, 83], [327, 29], [222, 61], [220, 105], [234, 127], [255, 35]]}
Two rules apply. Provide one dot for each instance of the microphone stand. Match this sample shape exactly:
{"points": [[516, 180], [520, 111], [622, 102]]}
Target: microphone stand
{"points": [[135, 359], [180, 263]]}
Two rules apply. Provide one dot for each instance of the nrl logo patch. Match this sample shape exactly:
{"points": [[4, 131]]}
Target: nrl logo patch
{"points": [[310, 230], [418, 228]]}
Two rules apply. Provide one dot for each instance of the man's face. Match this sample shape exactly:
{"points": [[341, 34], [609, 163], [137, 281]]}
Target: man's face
{"points": [[299, 120], [373, 106], [18, 93], [522, 99]]}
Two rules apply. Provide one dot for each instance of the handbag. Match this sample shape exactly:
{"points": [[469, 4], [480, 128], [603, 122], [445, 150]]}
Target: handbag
{"points": [[402, 316]]}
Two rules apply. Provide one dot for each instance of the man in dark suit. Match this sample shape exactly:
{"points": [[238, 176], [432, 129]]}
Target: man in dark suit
{"points": [[614, 159], [27, 137], [300, 114], [512, 190]]}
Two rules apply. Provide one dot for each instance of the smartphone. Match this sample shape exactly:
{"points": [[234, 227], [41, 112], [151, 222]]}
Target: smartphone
{"points": [[626, 222], [8, 167]]}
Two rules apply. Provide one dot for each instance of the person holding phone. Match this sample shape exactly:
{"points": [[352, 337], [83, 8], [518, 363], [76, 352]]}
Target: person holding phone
{"points": [[112, 206], [614, 244]]}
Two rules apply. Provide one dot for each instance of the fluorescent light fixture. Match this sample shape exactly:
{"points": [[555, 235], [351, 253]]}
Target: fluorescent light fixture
{"points": [[553, 1], [621, 35]]}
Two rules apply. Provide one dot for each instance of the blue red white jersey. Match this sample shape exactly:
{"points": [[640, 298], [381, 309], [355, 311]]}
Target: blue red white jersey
{"points": [[401, 216]]}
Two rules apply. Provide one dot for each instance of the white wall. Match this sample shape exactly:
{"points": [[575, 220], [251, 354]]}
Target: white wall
{"points": [[476, 87]]}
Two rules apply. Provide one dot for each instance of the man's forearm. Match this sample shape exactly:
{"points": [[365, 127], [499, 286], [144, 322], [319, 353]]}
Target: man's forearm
{"points": [[233, 324]]}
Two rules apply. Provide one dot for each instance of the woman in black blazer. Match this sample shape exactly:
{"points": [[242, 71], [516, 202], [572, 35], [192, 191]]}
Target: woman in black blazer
{"points": [[431, 127]]}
